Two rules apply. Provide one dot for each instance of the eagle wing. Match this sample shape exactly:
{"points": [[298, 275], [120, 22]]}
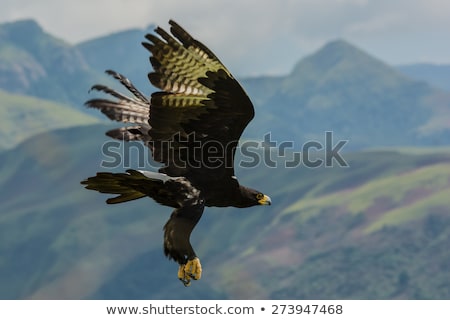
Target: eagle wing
{"points": [[194, 123]]}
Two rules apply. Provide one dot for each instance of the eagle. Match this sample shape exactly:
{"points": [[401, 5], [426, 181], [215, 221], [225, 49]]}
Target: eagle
{"points": [[192, 127]]}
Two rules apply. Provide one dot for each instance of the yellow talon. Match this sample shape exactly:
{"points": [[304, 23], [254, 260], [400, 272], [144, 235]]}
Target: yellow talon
{"points": [[191, 270], [194, 269], [183, 276]]}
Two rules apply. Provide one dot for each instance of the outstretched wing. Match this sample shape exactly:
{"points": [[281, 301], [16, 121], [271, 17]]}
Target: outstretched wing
{"points": [[202, 110]]}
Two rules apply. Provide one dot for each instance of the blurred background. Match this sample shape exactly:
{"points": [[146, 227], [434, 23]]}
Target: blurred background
{"points": [[375, 73]]}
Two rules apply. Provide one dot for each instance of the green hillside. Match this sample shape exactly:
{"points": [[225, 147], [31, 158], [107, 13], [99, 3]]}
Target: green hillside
{"points": [[23, 116], [35, 63], [379, 229], [398, 200]]}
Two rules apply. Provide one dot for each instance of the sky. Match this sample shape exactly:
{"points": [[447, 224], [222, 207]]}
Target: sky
{"points": [[260, 37]]}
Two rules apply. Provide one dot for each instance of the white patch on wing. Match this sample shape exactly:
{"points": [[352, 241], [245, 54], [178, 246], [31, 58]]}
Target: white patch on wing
{"points": [[156, 175]]}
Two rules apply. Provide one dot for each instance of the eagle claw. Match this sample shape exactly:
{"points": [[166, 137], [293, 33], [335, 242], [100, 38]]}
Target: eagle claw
{"points": [[191, 270]]}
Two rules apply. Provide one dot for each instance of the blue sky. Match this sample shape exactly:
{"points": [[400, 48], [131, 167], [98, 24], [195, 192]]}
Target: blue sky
{"points": [[260, 37]]}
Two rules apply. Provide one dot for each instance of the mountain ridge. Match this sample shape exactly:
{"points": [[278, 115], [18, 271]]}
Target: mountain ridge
{"points": [[341, 88], [120, 51], [376, 229], [438, 75], [63, 242], [338, 88], [24, 116], [35, 63]]}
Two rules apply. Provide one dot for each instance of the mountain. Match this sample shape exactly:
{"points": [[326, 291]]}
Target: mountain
{"points": [[436, 75], [342, 89], [122, 52], [35, 63], [22, 117], [377, 229], [338, 88]]}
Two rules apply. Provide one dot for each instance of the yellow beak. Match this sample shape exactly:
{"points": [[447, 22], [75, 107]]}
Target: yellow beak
{"points": [[265, 201]]}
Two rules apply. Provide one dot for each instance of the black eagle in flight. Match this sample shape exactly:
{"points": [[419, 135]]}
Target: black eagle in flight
{"points": [[192, 127]]}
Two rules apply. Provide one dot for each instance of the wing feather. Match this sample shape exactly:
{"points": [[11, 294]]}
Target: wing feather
{"points": [[125, 109], [199, 99]]}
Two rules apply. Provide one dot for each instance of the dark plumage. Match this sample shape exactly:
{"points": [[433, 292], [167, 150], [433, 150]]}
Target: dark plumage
{"points": [[192, 127]]}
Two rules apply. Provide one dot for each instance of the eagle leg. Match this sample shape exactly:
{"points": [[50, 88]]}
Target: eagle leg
{"points": [[191, 270]]}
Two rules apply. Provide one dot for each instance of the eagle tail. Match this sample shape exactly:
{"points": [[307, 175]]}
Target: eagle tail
{"points": [[133, 185], [114, 183]]}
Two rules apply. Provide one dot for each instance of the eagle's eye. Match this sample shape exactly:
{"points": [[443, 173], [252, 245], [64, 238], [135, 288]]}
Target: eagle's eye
{"points": [[259, 196]]}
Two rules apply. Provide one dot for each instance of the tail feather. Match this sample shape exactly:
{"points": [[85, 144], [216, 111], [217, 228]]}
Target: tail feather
{"points": [[114, 183], [126, 196], [133, 185]]}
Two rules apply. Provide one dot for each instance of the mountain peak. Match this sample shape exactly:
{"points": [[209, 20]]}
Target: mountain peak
{"points": [[29, 35], [27, 27], [333, 54], [339, 44], [39, 64], [341, 64]]}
